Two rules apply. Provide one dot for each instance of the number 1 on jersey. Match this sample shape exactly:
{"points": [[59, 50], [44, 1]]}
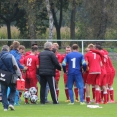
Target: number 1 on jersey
{"points": [[94, 55], [73, 62]]}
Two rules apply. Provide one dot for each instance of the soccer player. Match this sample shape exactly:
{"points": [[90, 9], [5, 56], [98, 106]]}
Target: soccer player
{"points": [[93, 60], [22, 52], [68, 50], [31, 61], [111, 80], [57, 74], [85, 74], [74, 60], [103, 78], [108, 71], [29, 52]]}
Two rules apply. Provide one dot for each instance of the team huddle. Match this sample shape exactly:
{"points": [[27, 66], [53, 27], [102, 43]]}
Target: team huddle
{"points": [[99, 74], [94, 68]]}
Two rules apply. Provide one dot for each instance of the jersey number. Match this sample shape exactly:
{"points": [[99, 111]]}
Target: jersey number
{"points": [[94, 55], [29, 61], [73, 62]]}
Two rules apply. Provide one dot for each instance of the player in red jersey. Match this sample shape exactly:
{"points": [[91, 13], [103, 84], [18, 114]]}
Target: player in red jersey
{"points": [[111, 80], [85, 74], [103, 76], [110, 77], [22, 52], [31, 61], [29, 52], [67, 50], [94, 62], [57, 74], [109, 71]]}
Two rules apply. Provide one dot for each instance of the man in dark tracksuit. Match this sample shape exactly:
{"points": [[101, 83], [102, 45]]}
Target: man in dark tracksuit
{"points": [[48, 65]]}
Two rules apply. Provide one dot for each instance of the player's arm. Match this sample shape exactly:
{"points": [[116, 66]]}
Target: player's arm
{"points": [[83, 62], [55, 61], [15, 65], [64, 64], [98, 52]]}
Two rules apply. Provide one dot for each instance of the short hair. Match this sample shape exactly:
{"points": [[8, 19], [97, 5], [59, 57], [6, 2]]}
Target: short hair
{"points": [[98, 47], [21, 47], [75, 46], [16, 44], [90, 46], [5, 48], [11, 47], [68, 47], [98, 43], [56, 44], [54, 50], [33, 49], [47, 45], [34, 44]]}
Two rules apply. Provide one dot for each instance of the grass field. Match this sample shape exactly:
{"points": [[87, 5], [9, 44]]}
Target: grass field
{"points": [[62, 109]]}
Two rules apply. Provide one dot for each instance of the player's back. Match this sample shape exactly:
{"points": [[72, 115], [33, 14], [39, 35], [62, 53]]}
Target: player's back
{"points": [[74, 60], [93, 60], [31, 61]]}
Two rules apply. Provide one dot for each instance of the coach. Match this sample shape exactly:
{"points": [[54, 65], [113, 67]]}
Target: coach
{"points": [[48, 65]]}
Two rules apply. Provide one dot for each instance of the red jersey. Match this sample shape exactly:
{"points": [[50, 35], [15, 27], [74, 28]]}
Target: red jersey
{"points": [[111, 65], [59, 57], [93, 60], [63, 56], [22, 59], [103, 59], [29, 52], [107, 66], [31, 61]]}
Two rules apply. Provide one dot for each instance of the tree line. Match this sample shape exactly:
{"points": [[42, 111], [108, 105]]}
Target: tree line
{"points": [[85, 18]]}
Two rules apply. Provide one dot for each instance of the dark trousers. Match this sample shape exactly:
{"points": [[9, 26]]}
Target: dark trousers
{"points": [[11, 96], [51, 82]]}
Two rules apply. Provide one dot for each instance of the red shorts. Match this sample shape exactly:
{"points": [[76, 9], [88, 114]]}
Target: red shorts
{"points": [[84, 75], [30, 82], [110, 81], [108, 77], [57, 76], [65, 78], [93, 79], [31, 75], [103, 79]]}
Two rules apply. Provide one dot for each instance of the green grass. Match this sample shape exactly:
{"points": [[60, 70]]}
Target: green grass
{"points": [[62, 109]]}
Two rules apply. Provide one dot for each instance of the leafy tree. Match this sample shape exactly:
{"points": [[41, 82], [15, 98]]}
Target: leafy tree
{"points": [[58, 5], [9, 13]]}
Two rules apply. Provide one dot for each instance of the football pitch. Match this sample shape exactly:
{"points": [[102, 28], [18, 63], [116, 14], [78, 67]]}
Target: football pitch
{"points": [[63, 109]]}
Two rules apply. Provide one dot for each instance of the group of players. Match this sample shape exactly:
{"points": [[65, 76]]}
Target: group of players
{"points": [[99, 74]]}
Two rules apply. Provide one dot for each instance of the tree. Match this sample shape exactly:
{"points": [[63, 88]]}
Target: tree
{"points": [[50, 19], [99, 16], [9, 13], [72, 22], [58, 5]]}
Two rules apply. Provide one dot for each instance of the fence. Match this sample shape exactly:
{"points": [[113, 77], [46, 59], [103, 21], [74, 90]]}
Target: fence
{"points": [[110, 45]]}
